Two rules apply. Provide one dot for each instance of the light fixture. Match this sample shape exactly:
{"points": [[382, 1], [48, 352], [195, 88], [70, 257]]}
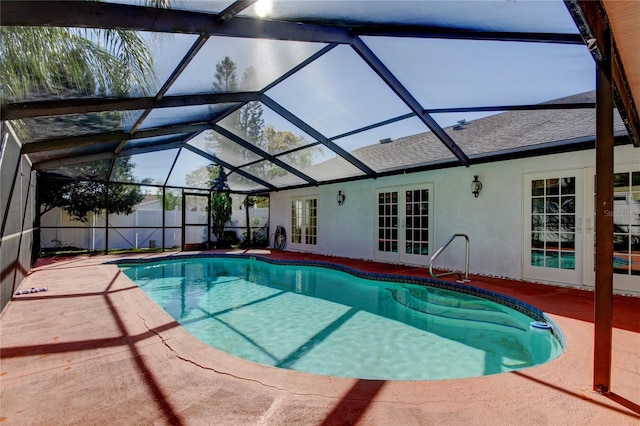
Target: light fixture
{"points": [[476, 186], [341, 197]]}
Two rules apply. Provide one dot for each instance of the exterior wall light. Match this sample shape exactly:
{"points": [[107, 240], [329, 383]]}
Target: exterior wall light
{"points": [[476, 186], [341, 197]]}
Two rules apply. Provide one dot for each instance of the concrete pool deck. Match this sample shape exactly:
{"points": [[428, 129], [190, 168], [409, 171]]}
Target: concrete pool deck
{"points": [[94, 349]]}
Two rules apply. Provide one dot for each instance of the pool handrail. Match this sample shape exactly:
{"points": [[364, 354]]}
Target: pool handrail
{"points": [[466, 261]]}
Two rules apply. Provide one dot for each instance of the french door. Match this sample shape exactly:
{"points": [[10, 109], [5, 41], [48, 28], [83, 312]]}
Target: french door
{"points": [[404, 223], [304, 224], [626, 228], [553, 240]]}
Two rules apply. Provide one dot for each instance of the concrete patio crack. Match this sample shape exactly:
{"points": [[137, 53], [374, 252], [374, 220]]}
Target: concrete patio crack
{"points": [[288, 391], [204, 367]]}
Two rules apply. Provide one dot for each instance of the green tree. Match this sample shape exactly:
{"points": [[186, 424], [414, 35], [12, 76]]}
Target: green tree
{"points": [[56, 60], [221, 210], [247, 122], [279, 141], [221, 206], [171, 200], [45, 61], [203, 176], [81, 197], [226, 79], [250, 124]]}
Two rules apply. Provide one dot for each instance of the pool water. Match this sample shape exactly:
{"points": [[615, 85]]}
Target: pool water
{"points": [[329, 322]]}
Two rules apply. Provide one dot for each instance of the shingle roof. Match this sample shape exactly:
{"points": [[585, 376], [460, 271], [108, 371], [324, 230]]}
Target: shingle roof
{"points": [[499, 132], [496, 133]]}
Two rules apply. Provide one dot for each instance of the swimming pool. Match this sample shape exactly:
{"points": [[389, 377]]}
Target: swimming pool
{"points": [[326, 321]]}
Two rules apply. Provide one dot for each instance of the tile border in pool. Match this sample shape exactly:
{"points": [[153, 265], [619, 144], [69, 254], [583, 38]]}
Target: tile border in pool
{"points": [[508, 301]]}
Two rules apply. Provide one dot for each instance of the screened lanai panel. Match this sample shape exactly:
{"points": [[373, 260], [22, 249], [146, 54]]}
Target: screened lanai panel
{"points": [[146, 213], [167, 51], [240, 183], [272, 174], [72, 155], [28, 79], [338, 93], [265, 129], [156, 142], [148, 168], [54, 127], [394, 145], [228, 64], [214, 143], [437, 72], [321, 164], [192, 171], [96, 170], [159, 117], [534, 16]]}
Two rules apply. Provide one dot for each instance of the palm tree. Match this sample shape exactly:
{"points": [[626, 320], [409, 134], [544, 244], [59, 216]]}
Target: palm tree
{"points": [[87, 62], [50, 62]]}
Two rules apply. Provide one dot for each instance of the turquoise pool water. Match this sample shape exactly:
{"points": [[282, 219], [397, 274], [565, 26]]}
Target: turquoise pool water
{"points": [[329, 322]]}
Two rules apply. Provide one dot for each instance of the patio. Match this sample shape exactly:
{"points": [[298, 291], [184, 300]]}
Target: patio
{"points": [[94, 349]]}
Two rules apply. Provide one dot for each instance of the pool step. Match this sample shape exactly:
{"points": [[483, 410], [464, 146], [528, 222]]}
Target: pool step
{"points": [[473, 314]]}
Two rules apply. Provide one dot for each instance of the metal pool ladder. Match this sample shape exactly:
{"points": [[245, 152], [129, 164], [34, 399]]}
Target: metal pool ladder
{"points": [[466, 260]]}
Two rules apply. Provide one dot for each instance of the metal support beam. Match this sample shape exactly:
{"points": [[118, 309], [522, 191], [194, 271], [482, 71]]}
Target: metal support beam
{"points": [[422, 31], [233, 9], [228, 23], [105, 15], [603, 317], [287, 115], [591, 19], [230, 167], [387, 76], [265, 155], [186, 60], [110, 137], [35, 109]]}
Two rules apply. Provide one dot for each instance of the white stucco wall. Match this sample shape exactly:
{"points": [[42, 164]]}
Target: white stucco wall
{"points": [[493, 221]]}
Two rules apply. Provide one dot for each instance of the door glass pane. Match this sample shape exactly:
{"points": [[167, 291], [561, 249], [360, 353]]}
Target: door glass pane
{"points": [[537, 187], [296, 221], [388, 222], [417, 214], [311, 229]]}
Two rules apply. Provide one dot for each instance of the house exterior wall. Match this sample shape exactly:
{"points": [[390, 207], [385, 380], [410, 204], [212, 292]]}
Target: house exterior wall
{"points": [[493, 221], [17, 213]]}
